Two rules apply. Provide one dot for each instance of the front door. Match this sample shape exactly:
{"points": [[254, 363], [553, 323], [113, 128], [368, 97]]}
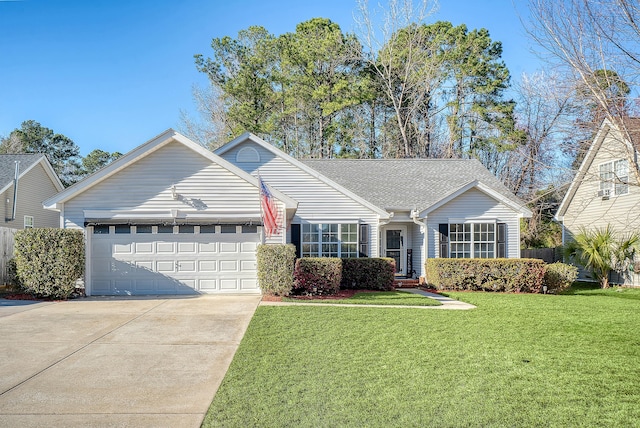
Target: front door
{"points": [[395, 248]]}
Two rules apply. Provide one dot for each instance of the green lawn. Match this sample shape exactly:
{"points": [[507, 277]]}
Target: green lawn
{"points": [[516, 360], [398, 298]]}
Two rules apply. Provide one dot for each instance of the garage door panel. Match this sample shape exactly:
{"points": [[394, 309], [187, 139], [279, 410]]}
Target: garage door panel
{"points": [[165, 247], [248, 247], [187, 247], [208, 284], [207, 248], [144, 286], [248, 284], [165, 266], [144, 247], [247, 265], [228, 284], [228, 247], [173, 263], [207, 266], [124, 248], [228, 266], [187, 266]]}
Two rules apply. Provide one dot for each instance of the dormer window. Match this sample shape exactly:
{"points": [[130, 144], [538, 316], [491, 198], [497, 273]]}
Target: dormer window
{"points": [[614, 178]]}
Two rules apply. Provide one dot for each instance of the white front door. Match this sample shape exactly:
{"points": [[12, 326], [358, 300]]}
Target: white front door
{"points": [[395, 247]]}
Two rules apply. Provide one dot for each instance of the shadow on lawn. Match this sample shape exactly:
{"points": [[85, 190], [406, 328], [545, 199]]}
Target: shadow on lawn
{"points": [[592, 289]]}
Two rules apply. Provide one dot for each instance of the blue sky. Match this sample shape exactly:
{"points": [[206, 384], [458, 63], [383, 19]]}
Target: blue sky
{"points": [[112, 74]]}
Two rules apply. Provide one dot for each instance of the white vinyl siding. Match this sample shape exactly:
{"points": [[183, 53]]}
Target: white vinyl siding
{"points": [[33, 188], [318, 202], [476, 207], [145, 186]]}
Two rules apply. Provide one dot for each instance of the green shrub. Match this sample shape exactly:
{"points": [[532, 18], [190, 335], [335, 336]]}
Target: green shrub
{"points": [[559, 276], [49, 261], [317, 275], [368, 273], [12, 274], [510, 275], [275, 268]]}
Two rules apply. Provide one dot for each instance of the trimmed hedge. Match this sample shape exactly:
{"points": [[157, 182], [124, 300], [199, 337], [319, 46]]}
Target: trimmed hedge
{"points": [[508, 275], [317, 275], [49, 261], [275, 268], [368, 273], [559, 276]]}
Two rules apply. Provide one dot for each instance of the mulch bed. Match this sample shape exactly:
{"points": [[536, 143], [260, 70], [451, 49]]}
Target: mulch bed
{"points": [[342, 294]]}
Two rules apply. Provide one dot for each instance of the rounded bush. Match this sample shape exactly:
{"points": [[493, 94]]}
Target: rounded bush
{"points": [[49, 261], [559, 276], [275, 268]]}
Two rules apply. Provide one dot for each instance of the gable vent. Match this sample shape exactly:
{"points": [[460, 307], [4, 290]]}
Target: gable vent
{"points": [[247, 154]]}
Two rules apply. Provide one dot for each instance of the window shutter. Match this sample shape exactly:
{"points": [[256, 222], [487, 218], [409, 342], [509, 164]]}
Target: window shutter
{"points": [[295, 238], [444, 240], [363, 244], [502, 240]]}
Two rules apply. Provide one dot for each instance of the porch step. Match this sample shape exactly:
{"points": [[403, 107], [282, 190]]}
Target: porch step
{"points": [[405, 283]]}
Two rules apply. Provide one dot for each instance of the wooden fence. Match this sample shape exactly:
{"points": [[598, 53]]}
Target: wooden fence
{"points": [[549, 255], [6, 251]]}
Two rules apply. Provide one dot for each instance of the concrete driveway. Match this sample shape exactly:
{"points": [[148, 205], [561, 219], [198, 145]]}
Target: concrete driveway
{"points": [[126, 362]]}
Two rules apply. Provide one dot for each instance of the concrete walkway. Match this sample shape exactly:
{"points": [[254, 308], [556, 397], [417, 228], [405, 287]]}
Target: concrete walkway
{"points": [[447, 302], [127, 362]]}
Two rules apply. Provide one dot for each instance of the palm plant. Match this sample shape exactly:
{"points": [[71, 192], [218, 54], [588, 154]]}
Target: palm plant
{"points": [[600, 251]]}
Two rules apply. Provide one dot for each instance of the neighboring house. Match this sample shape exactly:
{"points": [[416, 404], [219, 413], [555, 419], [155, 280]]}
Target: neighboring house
{"points": [[172, 217], [37, 181], [605, 189]]}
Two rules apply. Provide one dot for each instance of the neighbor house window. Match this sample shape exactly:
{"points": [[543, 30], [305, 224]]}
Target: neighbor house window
{"points": [[28, 222], [472, 240], [329, 240], [614, 178]]}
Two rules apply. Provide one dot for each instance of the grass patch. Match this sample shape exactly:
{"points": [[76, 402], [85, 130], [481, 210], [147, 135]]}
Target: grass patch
{"points": [[516, 360], [399, 298]]}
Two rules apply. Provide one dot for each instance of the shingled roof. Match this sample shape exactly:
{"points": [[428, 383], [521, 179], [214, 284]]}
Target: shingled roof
{"points": [[407, 183], [8, 166]]}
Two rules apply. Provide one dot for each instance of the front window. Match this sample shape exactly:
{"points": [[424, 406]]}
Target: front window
{"points": [[28, 222], [329, 240], [614, 178], [472, 240]]}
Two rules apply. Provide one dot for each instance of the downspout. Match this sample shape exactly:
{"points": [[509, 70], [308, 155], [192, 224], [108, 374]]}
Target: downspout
{"points": [[423, 228], [380, 224], [15, 191]]}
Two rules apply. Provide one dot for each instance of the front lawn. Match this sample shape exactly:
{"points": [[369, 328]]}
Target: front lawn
{"points": [[397, 298], [516, 360]]}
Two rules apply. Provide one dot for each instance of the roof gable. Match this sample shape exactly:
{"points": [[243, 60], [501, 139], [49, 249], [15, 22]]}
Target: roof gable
{"points": [[302, 166], [415, 184], [632, 131], [145, 150], [27, 163]]}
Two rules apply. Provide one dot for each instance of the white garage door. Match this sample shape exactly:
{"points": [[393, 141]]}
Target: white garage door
{"points": [[139, 260]]}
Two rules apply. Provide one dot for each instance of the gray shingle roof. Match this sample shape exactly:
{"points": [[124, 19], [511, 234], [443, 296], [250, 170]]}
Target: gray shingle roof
{"points": [[8, 165], [407, 183]]}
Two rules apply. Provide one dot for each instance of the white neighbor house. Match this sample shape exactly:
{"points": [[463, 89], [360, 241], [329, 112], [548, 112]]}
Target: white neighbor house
{"points": [[170, 217], [605, 190]]}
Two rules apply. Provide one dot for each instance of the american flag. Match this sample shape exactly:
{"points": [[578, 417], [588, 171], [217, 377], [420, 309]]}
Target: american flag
{"points": [[269, 209]]}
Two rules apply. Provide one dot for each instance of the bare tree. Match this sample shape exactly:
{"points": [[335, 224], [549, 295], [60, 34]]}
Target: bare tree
{"points": [[404, 57], [212, 128], [595, 43]]}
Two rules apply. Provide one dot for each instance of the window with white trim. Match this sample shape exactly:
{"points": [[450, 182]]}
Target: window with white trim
{"points": [[614, 178], [28, 222], [329, 240], [472, 240]]}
